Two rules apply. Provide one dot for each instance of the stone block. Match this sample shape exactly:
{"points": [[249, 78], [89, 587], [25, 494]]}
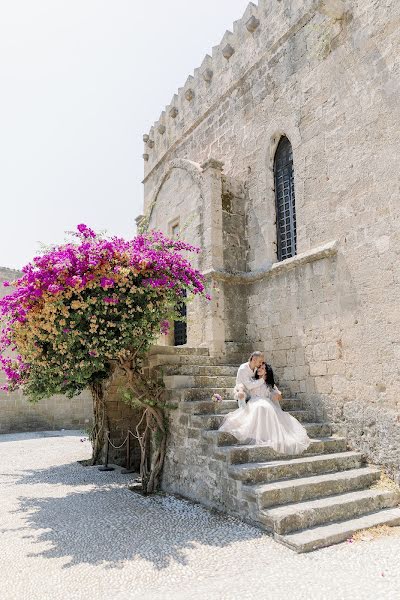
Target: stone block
{"points": [[288, 374], [300, 373], [323, 385], [318, 368], [336, 367]]}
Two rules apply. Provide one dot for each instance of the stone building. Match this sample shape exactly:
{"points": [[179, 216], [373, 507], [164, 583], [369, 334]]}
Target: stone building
{"points": [[280, 157]]}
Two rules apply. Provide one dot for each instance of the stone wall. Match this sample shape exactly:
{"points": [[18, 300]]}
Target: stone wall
{"points": [[191, 469], [57, 412], [325, 74], [326, 344]]}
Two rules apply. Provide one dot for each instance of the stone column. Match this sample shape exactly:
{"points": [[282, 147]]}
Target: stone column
{"points": [[212, 189], [213, 260]]}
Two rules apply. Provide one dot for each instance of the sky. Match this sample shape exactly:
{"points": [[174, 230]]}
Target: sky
{"points": [[80, 82]]}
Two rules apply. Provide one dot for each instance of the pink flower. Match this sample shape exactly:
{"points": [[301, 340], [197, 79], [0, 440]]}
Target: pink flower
{"points": [[216, 398], [86, 231], [55, 288], [105, 282], [155, 262], [164, 327]]}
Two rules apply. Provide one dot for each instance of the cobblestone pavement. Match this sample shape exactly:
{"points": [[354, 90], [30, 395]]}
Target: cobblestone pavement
{"points": [[73, 532]]}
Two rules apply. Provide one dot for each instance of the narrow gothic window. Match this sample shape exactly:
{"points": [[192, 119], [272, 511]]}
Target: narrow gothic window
{"points": [[285, 201], [180, 327]]}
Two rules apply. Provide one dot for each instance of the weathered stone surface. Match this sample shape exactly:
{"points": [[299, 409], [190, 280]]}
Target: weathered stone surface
{"points": [[285, 492], [280, 493], [324, 74], [333, 533], [304, 515]]}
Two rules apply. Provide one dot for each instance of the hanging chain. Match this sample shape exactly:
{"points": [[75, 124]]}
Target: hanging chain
{"points": [[124, 442]]}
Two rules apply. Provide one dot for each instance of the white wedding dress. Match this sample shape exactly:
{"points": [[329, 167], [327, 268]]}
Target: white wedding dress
{"points": [[263, 422]]}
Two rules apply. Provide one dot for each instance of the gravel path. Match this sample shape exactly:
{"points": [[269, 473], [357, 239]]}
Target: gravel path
{"points": [[72, 532]]}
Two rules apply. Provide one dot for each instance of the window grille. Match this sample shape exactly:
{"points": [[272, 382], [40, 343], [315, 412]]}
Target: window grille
{"points": [[285, 200], [180, 327]]}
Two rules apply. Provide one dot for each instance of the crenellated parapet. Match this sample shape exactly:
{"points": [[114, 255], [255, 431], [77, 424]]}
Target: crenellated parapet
{"points": [[7, 273], [255, 34]]}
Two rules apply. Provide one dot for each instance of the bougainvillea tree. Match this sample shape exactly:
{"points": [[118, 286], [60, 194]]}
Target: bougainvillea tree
{"points": [[87, 308]]}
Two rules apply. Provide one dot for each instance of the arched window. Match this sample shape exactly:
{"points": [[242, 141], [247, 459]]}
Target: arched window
{"points": [[180, 327], [285, 202]]}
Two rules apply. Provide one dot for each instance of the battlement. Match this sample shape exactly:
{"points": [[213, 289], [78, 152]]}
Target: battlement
{"points": [[261, 28], [7, 273]]}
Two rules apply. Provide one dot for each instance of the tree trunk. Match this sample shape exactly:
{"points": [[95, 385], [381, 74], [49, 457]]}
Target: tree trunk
{"points": [[100, 424]]}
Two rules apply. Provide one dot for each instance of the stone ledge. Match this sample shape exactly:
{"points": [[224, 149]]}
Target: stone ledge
{"points": [[318, 253]]}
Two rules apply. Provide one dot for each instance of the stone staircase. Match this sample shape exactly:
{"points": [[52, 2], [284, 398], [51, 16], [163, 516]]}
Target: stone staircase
{"points": [[306, 502]]}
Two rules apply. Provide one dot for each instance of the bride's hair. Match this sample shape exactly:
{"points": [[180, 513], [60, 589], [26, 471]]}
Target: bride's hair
{"points": [[269, 375]]}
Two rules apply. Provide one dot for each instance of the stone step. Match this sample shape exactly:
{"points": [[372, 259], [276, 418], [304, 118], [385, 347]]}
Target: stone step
{"points": [[200, 407], [214, 421], [228, 405], [288, 404], [193, 359], [303, 515], [334, 533], [263, 472], [199, 370], [173, 382], [223, 438], [318, 430], [200, 394], [306, 488], [178, 350], [239, 453], [303, 415]]}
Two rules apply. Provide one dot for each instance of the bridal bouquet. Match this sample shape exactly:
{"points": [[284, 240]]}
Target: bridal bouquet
{"points": [[216, 398]]}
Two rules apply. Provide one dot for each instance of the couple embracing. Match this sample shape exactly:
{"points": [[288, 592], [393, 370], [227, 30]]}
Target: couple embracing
{"points": [[260, 419]]}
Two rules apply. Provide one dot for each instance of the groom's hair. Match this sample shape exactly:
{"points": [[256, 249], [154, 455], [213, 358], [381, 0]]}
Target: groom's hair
{"points": [[256, 354]]}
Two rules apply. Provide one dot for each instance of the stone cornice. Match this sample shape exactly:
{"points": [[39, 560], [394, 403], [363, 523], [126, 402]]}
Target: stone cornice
{"points": [[318, 253]]}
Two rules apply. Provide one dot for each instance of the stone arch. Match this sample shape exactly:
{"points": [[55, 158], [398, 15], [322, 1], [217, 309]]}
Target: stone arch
{"points": [[179, 198], [192, 168], [278, 129]]}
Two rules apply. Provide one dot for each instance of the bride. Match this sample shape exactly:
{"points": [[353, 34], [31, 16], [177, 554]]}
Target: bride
{"points": [[263, 422]]}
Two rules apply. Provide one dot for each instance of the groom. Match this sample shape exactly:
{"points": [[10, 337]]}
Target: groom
{"points": [[245, 377]]}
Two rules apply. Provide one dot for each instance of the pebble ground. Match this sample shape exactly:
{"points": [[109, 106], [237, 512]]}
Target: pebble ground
{"points": [[72, 532]]}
